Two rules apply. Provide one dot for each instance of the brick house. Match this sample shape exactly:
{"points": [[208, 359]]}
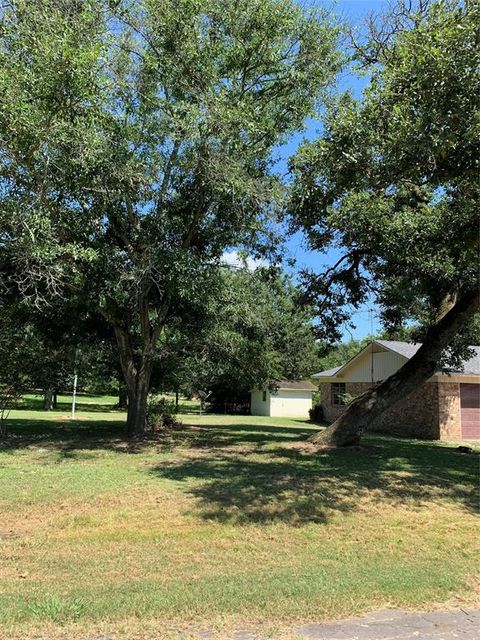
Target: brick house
{"points": [[446, 407]]}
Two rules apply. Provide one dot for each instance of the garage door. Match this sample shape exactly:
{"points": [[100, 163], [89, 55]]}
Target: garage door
{"points": [[470, 411]]}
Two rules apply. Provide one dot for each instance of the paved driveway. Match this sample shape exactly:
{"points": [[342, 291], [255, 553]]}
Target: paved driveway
{"points": [[388, 624], [397, 625]]}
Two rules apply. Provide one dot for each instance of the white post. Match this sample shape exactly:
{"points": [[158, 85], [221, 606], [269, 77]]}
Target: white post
{"points": [[75, 378]]}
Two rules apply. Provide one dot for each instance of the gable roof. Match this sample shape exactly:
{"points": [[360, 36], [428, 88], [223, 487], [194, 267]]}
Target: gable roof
{"points": [[470, 366], [327, 372], [331, 373], [299, 385], [405, 349]]}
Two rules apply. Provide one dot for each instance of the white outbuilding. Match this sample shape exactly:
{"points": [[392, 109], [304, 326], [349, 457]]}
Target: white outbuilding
{"points": [[289, 399]]}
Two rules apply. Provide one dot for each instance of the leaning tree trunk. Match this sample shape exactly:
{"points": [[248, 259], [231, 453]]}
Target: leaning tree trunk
{"points": [[348, 428]]}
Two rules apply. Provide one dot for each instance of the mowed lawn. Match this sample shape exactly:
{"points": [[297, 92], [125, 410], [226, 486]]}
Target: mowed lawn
{"points": [[227, 522]]}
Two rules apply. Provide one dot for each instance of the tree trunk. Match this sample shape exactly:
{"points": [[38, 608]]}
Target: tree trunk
{"points": [[176, 398], [137, 406], [122, 396], [137, 373], [55, 399], [348, 428], [137, 367], [48, 399]]}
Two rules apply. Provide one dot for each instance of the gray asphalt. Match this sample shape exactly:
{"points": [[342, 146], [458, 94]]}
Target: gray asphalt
{"points": [[387, 624], [398, 625]]}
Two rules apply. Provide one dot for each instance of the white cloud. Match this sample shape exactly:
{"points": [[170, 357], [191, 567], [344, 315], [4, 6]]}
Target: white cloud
{"points": [[235, 259]]}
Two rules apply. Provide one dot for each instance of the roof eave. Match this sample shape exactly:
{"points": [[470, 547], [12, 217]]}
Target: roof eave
{"points": [[326, 378]]}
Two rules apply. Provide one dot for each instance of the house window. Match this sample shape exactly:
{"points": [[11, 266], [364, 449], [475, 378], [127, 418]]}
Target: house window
{"points": [[339, 390], [264, 396]]}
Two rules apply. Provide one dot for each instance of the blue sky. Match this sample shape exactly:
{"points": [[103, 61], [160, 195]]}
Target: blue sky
{"points": [[355, 12]]}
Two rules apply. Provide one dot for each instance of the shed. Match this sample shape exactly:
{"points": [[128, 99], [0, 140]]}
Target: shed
{"points": [[285, 398]]}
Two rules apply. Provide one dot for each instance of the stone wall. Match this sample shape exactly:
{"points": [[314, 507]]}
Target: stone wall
{"points": [[330, 411], [416, 416], [450, 421]]}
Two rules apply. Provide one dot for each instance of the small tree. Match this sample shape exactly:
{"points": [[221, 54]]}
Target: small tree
{"points": [[8, 397], [16, 360]]}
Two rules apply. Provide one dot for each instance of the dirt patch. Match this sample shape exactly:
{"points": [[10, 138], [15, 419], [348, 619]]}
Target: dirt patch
{"points": [[302, 445], [310, 447], [10, 535]]}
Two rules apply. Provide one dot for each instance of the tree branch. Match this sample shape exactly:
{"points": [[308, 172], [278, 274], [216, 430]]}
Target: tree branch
{"points": [[167, 175]]}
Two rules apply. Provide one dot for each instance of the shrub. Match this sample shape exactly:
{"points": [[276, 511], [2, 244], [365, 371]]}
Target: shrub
{"points": [[161, 414], [316, 413]]}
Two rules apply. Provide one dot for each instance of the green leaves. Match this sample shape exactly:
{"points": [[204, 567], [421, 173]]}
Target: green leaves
{"points": [[144, 130], [251, 332], [49, 83], [136, 143], [394, 179]]}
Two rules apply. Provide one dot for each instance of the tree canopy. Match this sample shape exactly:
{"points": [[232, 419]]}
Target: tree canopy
{"points": [[393, 183], [254, 333], [136, 146]]}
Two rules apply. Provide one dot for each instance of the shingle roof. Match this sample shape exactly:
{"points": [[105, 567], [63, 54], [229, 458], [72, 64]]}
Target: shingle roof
{"points": [[326, 373], [471, 366], [406, 349], [300, 385]]}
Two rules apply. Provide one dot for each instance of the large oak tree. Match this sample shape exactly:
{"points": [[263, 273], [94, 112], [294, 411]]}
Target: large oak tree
{"points": [[136, 144], [393, 184]]}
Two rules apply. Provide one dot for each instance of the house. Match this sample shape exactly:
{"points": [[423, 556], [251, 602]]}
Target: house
{"points": [[446, 407], [291, 399]]}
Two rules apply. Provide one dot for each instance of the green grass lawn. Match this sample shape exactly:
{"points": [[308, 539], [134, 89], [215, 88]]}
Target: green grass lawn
{"points": [[226, 522]]}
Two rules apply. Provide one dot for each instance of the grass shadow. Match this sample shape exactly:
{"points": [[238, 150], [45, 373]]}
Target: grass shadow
{"points": [[273, 481], [65, 406], [253, 472], [66, 436], [236, 435]]}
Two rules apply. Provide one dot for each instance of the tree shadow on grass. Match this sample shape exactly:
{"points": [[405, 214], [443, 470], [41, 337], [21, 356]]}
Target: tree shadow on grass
{"points": [[236, 435], [58, 432], [243, 473], [67, 436], [284, 484], [87, 407], [64, 406]]}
